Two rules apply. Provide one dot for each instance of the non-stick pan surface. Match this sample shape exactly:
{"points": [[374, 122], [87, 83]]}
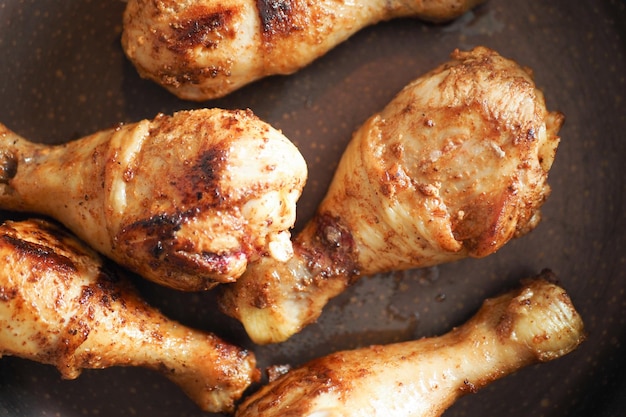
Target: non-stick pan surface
{"points": [[63, 75]]}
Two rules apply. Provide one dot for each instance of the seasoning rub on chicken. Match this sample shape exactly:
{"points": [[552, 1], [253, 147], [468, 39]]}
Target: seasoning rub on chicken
{"points": [[205, 49], [184, 200], [422, 378], [455, 166], [61, 305]]}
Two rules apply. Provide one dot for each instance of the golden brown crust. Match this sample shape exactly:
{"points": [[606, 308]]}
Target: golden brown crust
{"points": [[200, 50], [536, 322], [455, 165], [185, 200], [60, 304]]}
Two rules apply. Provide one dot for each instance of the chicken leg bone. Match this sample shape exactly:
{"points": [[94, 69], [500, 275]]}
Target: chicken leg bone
{"points": [[203, 49], [60, 305], [455, 166], [184, 200], [422, 378]]}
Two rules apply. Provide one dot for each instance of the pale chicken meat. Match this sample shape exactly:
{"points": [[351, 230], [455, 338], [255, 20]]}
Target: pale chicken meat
{"points": [[185, 200], [454, 166], [205, 49], [422, 378], [61, 305]]}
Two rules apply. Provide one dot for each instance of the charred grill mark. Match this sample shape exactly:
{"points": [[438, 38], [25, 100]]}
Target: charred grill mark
{"points": [[157, 236], [154, 232], [41, 255], [278, 17], [218, 263], [200, 26], [333, 252], [8, 167], [204, 177]]}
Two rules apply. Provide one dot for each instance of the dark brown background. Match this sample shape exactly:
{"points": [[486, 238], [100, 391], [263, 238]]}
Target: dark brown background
{"points": [[63, 75]]}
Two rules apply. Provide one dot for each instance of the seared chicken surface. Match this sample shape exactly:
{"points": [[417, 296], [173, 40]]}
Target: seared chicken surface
{"points": [[205, 49], [184, 200], [455, 166], [60, 305], [422, 378]]}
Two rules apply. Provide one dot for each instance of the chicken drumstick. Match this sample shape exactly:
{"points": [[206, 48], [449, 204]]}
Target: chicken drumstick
{"points": [[184, 200], [60, 305], [423, 378], [205, 49], [455, 166]]}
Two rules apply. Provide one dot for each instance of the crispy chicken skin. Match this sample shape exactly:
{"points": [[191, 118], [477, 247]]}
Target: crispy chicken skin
{"points": [[422, 378], [184, 200], [455, 166], [205, 49], [60, 305]]}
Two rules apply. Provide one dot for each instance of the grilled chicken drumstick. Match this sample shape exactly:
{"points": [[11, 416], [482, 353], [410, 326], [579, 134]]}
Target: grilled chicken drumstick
{"points": [[184, 200], [455, 166], [60, 305], [205, 49], [423, 378]]}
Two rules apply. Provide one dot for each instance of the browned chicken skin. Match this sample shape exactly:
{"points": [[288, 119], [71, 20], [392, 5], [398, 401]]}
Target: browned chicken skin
{"points": [[422, 378], [60, 305], [184, 200], [455, 166], [204, 49]]}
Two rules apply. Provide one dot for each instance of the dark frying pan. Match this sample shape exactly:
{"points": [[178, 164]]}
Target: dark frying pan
{"points": [[63, 75]]}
